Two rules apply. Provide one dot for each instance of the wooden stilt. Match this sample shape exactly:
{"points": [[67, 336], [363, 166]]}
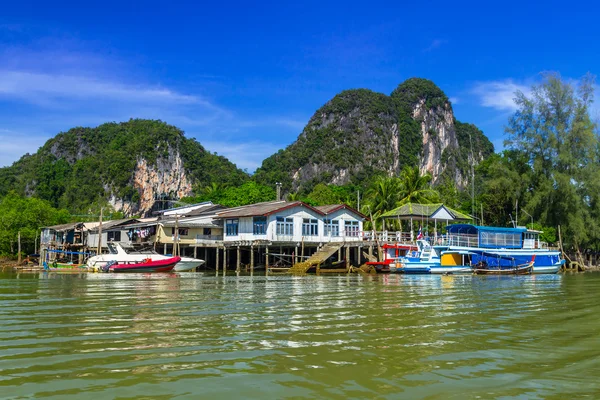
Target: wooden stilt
{"points": [[238, 260], [19, 248], [224, 261], [267, 260], [217, 261], [251, 260], [347, 256]]}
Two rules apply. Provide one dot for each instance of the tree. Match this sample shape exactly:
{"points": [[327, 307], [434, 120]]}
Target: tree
{"points": [[382, 196], [416, 188], [552, 126], [27, 215]]}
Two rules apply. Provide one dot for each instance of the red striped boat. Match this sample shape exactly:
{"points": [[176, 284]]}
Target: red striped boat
{"points": [[147, 265]]}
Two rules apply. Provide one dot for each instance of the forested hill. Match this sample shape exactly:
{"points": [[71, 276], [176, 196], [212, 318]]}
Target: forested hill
{"points": [[360, 133], [128, 164]]}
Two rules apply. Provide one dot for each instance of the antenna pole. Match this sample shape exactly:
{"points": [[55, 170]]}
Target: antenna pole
{"points": [[472, 178]]}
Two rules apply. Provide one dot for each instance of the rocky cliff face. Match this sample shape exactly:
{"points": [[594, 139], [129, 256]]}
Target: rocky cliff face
{"points": [[360, 133], [130, 165]]}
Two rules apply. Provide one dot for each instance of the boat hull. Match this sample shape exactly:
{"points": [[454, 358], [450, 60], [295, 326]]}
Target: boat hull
{"points": [[148, 266], [187, 264]]}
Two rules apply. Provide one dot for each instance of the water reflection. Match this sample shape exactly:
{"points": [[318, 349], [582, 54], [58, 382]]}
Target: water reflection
{"points": [[111, 335]]}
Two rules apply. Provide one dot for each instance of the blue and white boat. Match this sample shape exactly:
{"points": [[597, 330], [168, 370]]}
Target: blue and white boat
{"points": [[498, 247], [466, 246], [420, 262]]}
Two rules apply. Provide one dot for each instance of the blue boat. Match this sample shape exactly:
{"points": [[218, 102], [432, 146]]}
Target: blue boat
{"points": [[469, 247], [498, 247]]}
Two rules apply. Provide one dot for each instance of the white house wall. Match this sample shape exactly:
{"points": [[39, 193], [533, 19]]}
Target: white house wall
{"points": [[245, 226]]}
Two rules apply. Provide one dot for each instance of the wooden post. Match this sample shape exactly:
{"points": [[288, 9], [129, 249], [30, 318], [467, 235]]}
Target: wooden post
{"points": [[339, 254], [19, 247], [267, 259], [165, 249], [347, 256], [302, 254], [296, 255], [224, 261], [195, 251], [251, 260], [238, 260], [217, 260]]}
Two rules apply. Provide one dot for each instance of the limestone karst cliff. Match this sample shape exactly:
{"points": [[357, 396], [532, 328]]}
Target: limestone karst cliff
{"points": [[130, 165], [360, 133]]}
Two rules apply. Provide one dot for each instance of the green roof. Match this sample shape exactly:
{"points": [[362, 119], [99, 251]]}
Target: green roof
{"points": [[423, 211]]}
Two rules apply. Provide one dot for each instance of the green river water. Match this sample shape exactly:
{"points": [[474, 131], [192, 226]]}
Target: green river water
{"points": [[180, 336]]}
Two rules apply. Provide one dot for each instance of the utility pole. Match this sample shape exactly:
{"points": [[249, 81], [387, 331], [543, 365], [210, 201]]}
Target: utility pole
{"points": [[99, 250], [358, 200], [278, 184]]}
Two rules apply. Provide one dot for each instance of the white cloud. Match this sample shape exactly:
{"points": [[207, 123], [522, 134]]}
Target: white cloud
{"points": [[33, 87], [435, 44], [454, 100], [499, 95]]}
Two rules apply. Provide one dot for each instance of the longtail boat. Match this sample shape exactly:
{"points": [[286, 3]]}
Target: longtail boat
{"points": [[148, 265], [523, 269]]}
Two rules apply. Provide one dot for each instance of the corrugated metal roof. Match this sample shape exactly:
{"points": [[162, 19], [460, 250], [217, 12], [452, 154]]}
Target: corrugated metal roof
{"points": [[414, 210], [204, 222], [106, 225], [63, 227], [328, 209], [252, 210]]}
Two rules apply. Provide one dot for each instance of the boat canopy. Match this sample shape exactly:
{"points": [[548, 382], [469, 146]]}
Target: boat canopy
{"points": [[485, 236]]}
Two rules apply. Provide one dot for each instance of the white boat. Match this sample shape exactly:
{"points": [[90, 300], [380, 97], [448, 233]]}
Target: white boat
{"points": [[120, 254]]}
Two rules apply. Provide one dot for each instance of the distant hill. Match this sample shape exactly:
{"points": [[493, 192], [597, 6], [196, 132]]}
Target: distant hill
{"points": [[360, 133], [129, 164]]}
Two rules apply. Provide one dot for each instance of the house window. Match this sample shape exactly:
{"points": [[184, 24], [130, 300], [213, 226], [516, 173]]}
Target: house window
{"points": [[182, 231], [332, 227], [207, 231], [351, 228], [285, 226], [231, 227], [310, 227], [259, 226], [114, 236]]}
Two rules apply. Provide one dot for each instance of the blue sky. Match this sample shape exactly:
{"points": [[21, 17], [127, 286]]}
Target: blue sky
{"points": [[244, 78]]}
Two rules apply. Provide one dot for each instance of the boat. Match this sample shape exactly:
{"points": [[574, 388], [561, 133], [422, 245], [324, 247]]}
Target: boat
{"points": [[482, 268], [421, 261], [391, 253], [121, 254], [502, 248], [147, 265], [467, 245]]}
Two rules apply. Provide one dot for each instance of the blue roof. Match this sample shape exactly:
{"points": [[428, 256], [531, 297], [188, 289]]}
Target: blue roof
{"points": [[468, 228]]}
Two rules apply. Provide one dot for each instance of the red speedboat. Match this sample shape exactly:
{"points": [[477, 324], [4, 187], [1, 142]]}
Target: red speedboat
{"points": [[147, 265]]}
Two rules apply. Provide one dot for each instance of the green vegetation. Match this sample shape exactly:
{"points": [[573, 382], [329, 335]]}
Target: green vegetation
{"points": [[556, 159], [365, 134], [385, 194], [77, 167], [234, 196], [26, 215]]}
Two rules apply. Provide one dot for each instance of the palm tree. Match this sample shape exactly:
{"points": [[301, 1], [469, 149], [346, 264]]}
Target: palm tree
{"points": [[293, 196], [381, 197], [416, 188]]}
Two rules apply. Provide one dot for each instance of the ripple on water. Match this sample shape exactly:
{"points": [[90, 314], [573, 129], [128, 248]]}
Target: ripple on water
{"points": [[190, 335]]}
